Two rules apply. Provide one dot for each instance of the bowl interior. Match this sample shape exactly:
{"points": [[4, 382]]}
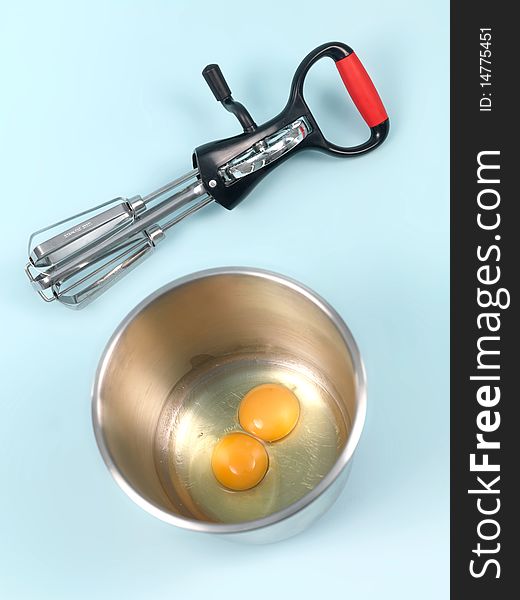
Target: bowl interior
{"points": [[163, 380]]}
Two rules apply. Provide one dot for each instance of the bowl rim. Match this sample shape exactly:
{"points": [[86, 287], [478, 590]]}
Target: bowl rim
{"points": [[341, 462]]}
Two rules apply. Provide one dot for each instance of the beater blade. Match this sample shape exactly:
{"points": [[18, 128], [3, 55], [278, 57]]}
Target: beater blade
{"points": [[100, 245]]}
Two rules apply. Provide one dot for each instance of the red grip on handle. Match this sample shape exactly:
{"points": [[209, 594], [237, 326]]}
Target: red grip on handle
{"points": [[361, 90]]}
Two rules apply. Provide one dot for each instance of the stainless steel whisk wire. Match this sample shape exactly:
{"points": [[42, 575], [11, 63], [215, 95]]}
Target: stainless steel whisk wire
{"points": [[102, 248]]}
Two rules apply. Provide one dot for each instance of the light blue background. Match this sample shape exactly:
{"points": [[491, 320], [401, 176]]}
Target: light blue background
{"points": [[100, 99]]}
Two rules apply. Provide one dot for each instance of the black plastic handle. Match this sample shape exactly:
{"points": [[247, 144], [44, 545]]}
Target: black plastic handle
{"points": [[360, 88], [216, 82], [210, 157]]}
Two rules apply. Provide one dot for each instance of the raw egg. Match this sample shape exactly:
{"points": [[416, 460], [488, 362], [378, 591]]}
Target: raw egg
{"points": [[239, 461], [269, 411]]}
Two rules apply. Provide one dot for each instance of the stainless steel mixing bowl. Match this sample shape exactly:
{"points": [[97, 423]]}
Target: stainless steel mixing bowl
{"points": [[212, 317]]}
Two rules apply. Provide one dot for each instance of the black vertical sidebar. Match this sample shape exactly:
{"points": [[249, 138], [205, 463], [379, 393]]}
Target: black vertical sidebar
{"points": [[485, 269]]}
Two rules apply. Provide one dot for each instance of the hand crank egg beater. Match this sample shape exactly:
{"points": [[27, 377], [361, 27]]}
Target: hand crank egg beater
{"points": [[75, 260]]}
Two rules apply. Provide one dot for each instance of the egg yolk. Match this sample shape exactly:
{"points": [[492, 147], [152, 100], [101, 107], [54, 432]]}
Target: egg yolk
{"points": [[269, 411], [239, 461]]}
